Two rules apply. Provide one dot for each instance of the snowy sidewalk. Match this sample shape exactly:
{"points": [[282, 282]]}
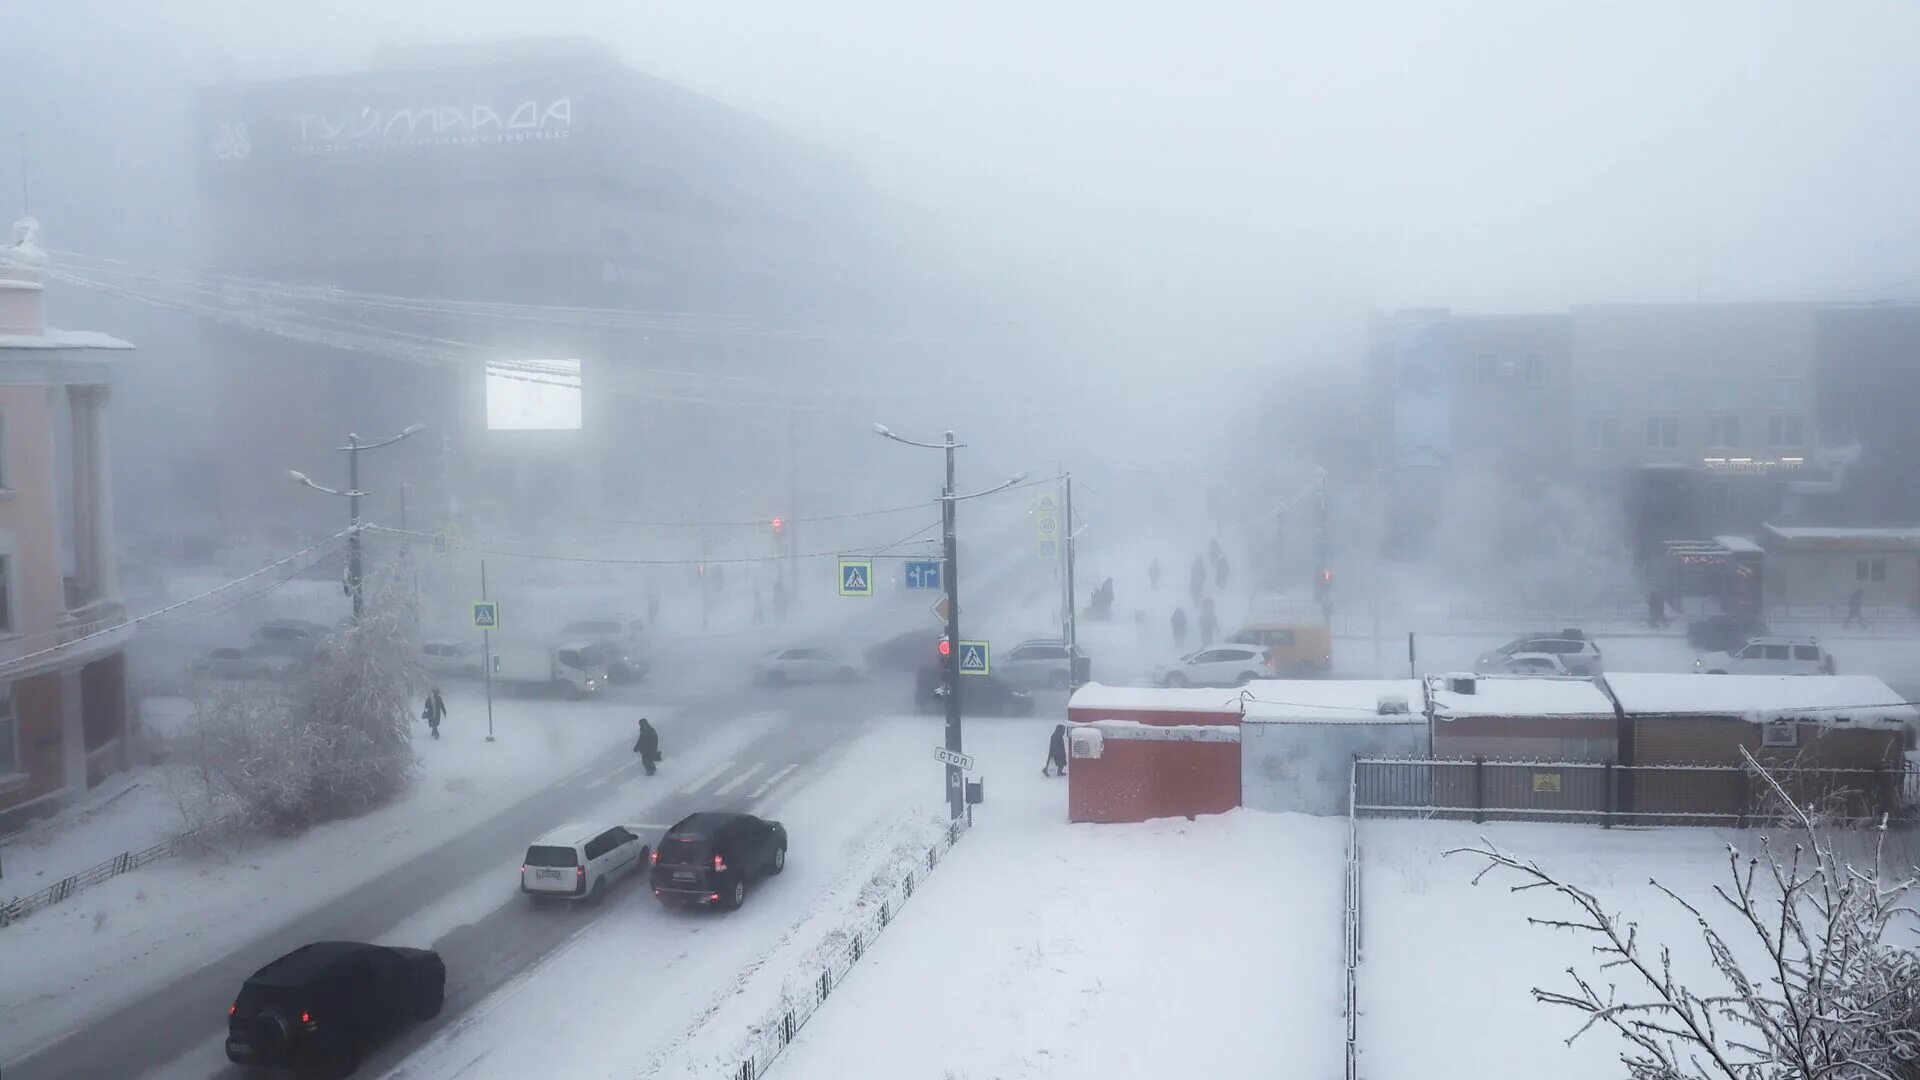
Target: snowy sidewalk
{"points": [[1044, 949]]}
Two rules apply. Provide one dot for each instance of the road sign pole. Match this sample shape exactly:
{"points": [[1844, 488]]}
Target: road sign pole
{"points": [[486, 654], [1072, 628], [956, 797]]}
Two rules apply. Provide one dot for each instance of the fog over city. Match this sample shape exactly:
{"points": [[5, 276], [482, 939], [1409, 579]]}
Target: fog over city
{"points": [[1314, 387]]}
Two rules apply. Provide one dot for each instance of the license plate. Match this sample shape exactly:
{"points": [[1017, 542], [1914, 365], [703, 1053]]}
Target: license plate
{"points": [[683, 875], [549, 874]]}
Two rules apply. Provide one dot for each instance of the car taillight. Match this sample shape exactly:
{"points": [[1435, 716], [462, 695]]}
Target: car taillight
{"points": [[306, 1018], [653, 858], [713, 896], [579, 873], [719, 864], [523, 870], [234, 1008]]}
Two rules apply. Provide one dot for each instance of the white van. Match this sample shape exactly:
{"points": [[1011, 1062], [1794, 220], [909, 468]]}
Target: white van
{"points": [[575, 669], [576, 862]]}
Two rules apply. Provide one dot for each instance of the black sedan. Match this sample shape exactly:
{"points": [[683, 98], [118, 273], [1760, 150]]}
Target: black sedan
{"points": [[1724, 633], [710, 857], [979, 695], [326, 1004]]}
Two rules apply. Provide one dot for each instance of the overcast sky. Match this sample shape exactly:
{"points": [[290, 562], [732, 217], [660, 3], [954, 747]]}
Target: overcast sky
{"points": [[1240, 157]]}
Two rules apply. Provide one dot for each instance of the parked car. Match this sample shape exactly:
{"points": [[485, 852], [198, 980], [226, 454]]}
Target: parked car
{"points": [[1724, 633], [253, 662], [1770, 656], [979, 694], [1037, 662], [451, 659], [578, 862], [803, 666], [297, 638], [620, 636], [1538, 663], [711, 856], [326, 1004], [1221, 665], [904, 652], [1298, 649], [1575, 648]]}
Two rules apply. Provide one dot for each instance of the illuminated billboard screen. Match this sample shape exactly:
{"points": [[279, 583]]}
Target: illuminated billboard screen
{"points": [[533, 395]]}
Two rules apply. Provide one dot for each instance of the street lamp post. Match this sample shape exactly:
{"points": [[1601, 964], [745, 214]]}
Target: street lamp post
{"points": [[353, 495]]}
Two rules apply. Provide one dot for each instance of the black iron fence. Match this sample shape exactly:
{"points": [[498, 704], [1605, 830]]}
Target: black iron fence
{"points": [[773, 1035], [21, 906], [1601, 793], [1350, 935]]}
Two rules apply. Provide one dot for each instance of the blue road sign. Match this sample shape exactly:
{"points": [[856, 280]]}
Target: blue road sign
{"points": [[486, 614], [975, 657], [923, 575], [856, 577]]}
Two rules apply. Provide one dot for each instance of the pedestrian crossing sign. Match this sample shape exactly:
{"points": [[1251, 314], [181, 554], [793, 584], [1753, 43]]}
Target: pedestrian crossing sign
{"points": [[856, 577], [486, 614], [1049, 549], [975, 658]]}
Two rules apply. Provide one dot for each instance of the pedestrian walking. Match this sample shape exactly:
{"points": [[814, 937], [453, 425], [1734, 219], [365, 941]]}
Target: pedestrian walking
{"points": [[759, 610], [1153, 574], [1209, 625], [1056, 752], [1179, 627], [1656, 609], [1854, 615], [434, 711], [647, 746], [1197, 580], [1220, 572], [1213, 549]]}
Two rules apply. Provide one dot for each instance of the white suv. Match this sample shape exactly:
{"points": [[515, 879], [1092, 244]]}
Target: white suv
{"points": [[1575, 649], [1770, 656], [1222, 665], [576, 862]]}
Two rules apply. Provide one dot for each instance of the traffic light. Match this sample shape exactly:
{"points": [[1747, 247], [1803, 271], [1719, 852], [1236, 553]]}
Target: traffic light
{"points": [[1326, 577], [946, 647], [778, 524]]}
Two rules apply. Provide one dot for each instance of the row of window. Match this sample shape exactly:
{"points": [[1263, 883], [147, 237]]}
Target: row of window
{"points": [[1530, 369], [1785, 431]]}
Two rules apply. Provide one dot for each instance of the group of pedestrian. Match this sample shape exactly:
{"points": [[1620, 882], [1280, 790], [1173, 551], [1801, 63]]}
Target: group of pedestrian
{"points": [[647, 745]]}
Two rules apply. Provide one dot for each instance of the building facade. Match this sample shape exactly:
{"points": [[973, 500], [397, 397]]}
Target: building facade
{"points": [[63, 690]]}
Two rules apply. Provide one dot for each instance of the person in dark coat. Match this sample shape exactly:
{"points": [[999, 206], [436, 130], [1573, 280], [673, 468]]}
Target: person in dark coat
{"points": [[1153, 574], [1854, 616], [1056, 753], [647, 746], [1220, 572], [1197, 580], [1179, 627], [1656, 609], [433, 712], [1209, 625]]}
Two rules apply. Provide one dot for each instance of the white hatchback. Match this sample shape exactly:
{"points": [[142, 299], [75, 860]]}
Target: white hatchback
{"points": [[1221, 665], [803, 666], [577, 862]]}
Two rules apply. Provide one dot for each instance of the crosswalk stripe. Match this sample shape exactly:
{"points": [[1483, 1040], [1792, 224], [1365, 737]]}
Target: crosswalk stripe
{"points": [[738, 780], [708, 778], [772, 780]]}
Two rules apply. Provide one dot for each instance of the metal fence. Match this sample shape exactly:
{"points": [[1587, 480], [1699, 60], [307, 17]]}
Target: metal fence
{"points": [[1605, 794], [779, 1029], [1350, 930], [21, 906]]}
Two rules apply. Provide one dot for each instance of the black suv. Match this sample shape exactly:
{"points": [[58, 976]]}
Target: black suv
{"points": [[709, 857], [979, 694], [325, 1005]]}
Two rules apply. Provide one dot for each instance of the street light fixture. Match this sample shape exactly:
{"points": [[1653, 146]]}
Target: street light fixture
{"points": [[353, 495]]}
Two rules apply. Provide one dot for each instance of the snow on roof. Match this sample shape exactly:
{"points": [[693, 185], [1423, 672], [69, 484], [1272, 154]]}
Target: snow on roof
{"points": [[1737, 543], [1503, 695], [1154, 699], [1858, 697], [1815, 537], [1135, 730], [63, 339], [1332, 701]]}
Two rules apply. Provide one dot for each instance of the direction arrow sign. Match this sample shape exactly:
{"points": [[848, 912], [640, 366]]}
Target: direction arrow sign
{"points": [[923, 575], [940, 610], [856, 577], [976, 658], [486, 614], [953, 757]]}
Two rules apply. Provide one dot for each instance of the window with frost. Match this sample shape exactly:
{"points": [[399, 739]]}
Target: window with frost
{"points": [[1723, 431], [1874, 569], [1663, 431], [6, 594], [1603, 432], [1533, 371], [1784, 430]]}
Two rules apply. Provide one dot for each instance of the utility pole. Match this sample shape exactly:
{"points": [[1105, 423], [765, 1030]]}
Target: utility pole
{"points": [[353, 512], [486, 653], [956, 797], [704, 592], [1323, 583], [1070, 628]]}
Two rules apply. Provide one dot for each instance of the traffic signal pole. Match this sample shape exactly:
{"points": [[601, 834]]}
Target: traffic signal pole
{"points": [[956, 796], [1070, 628]]}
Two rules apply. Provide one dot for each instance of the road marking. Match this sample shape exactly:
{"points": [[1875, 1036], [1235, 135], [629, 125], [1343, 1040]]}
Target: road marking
{"points": [[772, 780], [738, 780], [707, 779]]}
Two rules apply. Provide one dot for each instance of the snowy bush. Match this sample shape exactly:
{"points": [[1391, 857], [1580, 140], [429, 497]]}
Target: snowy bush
{"points": [[334, 741], [1816, 973]]}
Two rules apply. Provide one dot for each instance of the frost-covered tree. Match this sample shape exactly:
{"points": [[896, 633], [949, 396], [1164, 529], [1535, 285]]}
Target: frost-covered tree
{"points": [[333, 741], [1814, 973]]}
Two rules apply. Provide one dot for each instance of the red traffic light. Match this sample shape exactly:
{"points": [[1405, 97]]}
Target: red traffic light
{"points": [[778, 524], [946, 647], [1326, 575]]}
